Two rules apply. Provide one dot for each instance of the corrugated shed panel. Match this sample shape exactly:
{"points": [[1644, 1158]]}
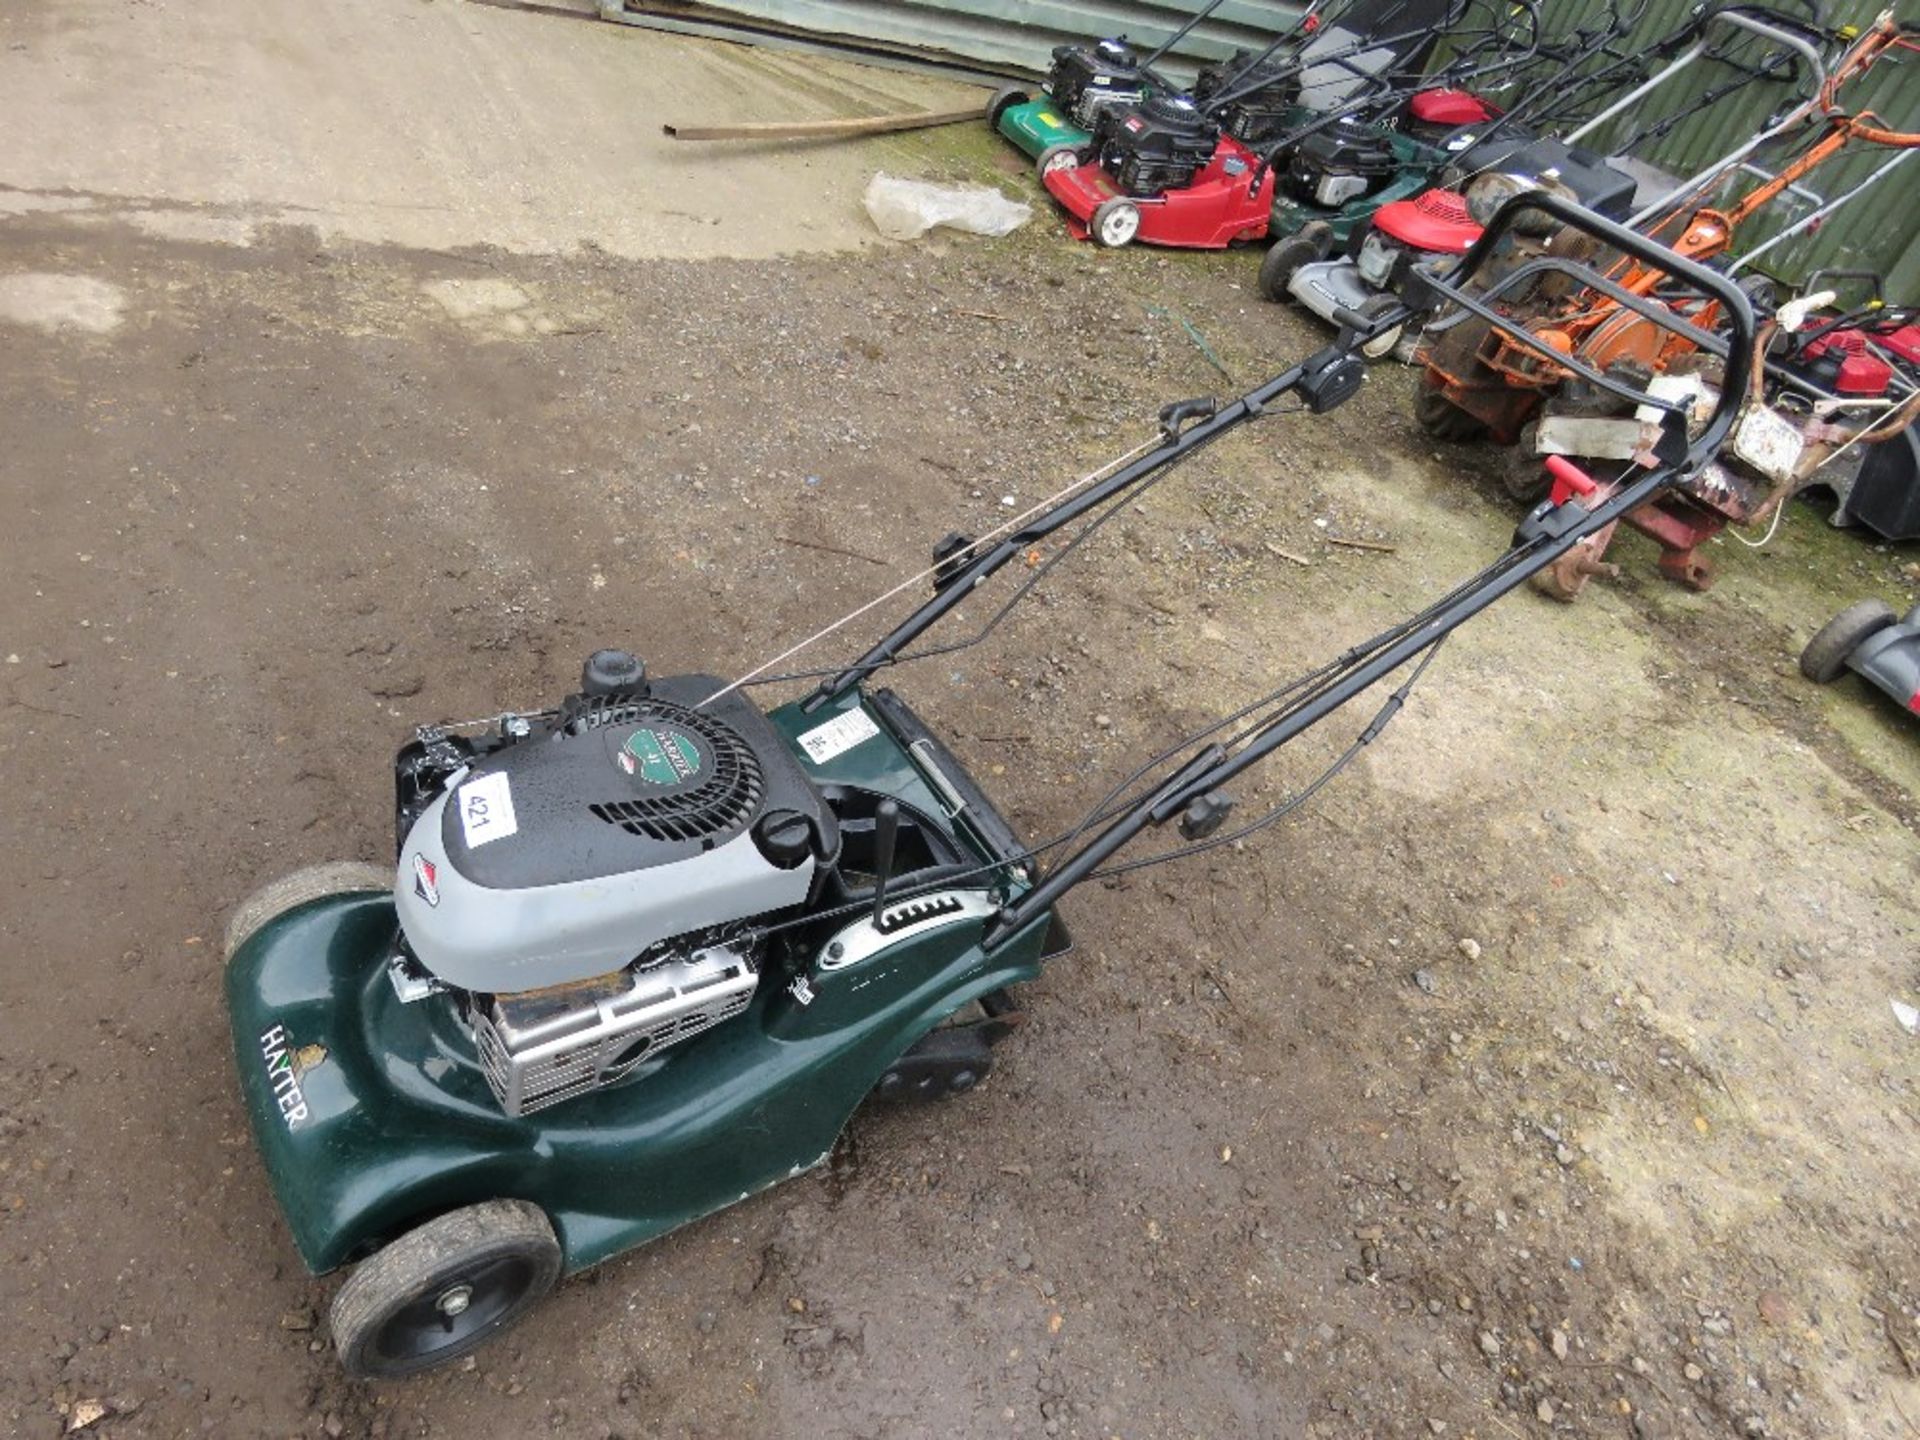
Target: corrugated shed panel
{"points": [[1015, 35], [1879, 229]]}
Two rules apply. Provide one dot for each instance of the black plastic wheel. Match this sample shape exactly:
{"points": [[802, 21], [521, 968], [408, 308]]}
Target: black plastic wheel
{"points": [[444, 1288], [1825, 658], [1283, 257], [1442, 419], [1003, 101]]}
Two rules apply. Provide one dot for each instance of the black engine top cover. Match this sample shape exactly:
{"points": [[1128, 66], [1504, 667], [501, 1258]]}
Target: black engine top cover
{"points": [[620, 783]]}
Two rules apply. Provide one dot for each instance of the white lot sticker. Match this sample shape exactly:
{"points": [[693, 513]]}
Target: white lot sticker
{"points": [[486, 809], [838, 735]]}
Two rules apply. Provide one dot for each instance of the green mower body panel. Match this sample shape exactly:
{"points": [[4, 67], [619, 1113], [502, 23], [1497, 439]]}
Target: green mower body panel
{"points": [[1419, 165], [373, 1115], [1037, 124]]}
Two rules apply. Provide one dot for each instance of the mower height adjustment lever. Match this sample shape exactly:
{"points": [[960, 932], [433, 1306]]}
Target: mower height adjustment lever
{"points": [[1175, 417]]}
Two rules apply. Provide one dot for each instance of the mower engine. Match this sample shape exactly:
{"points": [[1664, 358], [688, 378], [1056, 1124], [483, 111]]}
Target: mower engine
{"points": [[1264, 94], [1086, 81], [1158, 145], [578, 881], [1341, 163], [1844, 361]]}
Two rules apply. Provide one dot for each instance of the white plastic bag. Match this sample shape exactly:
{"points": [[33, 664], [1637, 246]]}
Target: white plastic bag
{"points": [[907, 209]]}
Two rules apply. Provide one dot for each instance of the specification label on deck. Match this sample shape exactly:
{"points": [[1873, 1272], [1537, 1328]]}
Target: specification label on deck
{"points": [[838, 735]]}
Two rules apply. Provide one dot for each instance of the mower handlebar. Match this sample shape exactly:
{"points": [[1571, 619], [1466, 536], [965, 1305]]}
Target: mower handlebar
{"points": [[1709, 284]]}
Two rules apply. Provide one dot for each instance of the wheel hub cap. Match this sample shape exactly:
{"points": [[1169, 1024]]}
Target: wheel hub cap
{"points": [[455, 1301]]}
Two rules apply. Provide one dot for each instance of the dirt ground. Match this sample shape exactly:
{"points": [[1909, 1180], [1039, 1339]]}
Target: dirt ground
{"points": [[1539, 1077]]}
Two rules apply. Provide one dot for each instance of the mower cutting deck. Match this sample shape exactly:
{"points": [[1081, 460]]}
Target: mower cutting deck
{"points": [[642, 953]]}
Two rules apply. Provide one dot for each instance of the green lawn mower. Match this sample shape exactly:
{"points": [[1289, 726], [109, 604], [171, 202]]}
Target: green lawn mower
{"points": [[642, 953]]}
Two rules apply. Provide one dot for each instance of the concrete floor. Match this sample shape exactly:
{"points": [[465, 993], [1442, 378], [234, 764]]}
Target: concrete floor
{"points": [[427, 123]]}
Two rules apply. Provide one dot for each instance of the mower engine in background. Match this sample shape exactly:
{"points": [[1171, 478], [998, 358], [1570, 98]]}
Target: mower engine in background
{"points": [[1263, 96], [1083, 83]]}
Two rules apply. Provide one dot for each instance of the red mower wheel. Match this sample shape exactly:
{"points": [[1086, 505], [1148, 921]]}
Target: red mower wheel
{"points": [[1115, 222]]}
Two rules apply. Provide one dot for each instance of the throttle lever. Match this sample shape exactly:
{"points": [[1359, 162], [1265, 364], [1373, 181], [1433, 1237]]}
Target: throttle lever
{"points": [[1569, 480]]}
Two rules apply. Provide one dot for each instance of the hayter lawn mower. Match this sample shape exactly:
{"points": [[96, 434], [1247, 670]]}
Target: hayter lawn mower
{"points": [[643, 952]]}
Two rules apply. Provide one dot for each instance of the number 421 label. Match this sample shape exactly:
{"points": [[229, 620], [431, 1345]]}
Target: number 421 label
{"points": [[486, 809]]}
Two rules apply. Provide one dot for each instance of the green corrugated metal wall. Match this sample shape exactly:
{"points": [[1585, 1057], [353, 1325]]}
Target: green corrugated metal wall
{"points": [[1879, 230]]}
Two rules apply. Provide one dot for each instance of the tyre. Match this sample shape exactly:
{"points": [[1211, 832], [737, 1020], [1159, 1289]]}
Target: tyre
{"points": [[1442, 419], [1278, 267], [1004, 101], [1825, 658], [1522, 473], [1058, 157], [302, 887], [444, 1288], [1383, 343], [1115, 222]]}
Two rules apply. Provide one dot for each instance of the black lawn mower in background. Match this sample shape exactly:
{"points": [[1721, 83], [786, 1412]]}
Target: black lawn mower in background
{"points": [[640, 954]]}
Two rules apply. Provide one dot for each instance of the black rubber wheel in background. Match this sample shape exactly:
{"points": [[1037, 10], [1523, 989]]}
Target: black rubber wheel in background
{"points": [[1442, 419], [1306, 245], [1004, 101], [1523, 470], [1825, 658], [444, 1288]]}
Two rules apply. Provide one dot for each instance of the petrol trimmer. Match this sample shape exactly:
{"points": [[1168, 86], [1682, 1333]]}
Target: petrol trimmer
{"points": [[643, 952]]}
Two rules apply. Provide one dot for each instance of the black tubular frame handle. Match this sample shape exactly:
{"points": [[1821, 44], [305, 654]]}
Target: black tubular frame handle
{"points": [[1710, 284]]}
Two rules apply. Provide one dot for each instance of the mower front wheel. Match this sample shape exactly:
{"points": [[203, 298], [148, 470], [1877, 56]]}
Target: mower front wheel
{"points": [[444, 1288], [1825, 658], [1115, 222], [1003, 101], [1383, 343], [1064, 156], [1444, 420]]}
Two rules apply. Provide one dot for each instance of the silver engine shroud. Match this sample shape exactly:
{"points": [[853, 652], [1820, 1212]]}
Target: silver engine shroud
{"points": [[547, 1046], [496, 941]]}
